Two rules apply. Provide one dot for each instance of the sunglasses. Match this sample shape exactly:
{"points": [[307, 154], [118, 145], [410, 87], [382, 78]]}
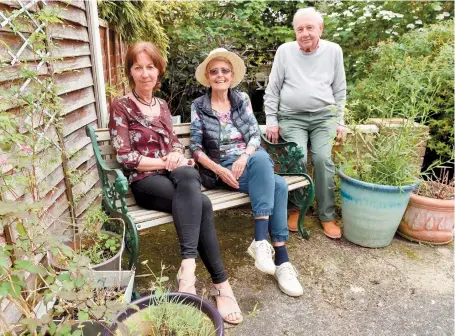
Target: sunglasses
{"points": [[216, 71]]}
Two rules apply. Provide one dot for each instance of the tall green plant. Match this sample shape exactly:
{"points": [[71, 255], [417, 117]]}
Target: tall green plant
{"points": [[413, 76]]}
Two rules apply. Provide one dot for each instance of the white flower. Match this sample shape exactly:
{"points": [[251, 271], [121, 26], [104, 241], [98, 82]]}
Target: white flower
{"points": [[348, 13], [395, 33], [348, 29], [399, 15], [437, 7], [410, 26], [340, 28], [367, 14], [446, 14], [418, 22], [336, 34], [440, 17], [388, 31], [351, 23]]}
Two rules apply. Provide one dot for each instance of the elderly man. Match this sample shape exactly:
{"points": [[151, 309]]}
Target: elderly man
{"points": [[304, 102]]}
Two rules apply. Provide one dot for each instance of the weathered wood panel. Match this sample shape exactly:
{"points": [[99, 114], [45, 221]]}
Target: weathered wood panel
{"points": [[70, 12], [76, 3], [75, 80], [84, 203], [68, 31], [76, 141], [12, 43], [89, 179], [69, 64], [76, 99], [73, 73], [67, 48], [79, 119]]}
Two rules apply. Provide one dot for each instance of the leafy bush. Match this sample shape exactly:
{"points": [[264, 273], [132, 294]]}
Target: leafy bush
{"points": [[412, 77], [360, 25]]}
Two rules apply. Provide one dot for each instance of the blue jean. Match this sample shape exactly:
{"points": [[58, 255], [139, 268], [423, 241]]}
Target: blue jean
{"points": [[268, 193]]}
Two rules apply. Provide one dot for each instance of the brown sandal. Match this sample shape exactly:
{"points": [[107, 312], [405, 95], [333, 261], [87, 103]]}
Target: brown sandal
{"points": [[224, 312]]}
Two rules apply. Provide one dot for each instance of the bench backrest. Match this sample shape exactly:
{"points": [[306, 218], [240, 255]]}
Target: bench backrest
{"points": [[108, 152]]}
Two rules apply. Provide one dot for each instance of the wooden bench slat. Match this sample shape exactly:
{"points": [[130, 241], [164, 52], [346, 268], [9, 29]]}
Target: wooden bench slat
{"points": [[220, 198], [215, 195]]}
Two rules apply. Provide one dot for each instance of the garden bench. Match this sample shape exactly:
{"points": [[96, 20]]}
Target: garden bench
{"points": [[119, 202]]}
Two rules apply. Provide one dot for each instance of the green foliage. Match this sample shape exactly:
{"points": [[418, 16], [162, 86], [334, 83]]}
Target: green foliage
{"points": [[166, 316], [127, 16], [252, 29], [387, 160], [30, 144], [413, 76], [100, 247], [146, 20], [358, 26]]}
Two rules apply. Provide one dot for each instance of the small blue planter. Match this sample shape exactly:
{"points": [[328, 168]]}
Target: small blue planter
{"points": [[372, 212]]}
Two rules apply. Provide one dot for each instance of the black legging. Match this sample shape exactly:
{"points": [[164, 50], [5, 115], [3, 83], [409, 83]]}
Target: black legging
{"points": [[179, 193]]}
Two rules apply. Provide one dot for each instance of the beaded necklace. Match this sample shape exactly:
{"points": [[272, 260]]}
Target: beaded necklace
{"points": [[143, 102]]}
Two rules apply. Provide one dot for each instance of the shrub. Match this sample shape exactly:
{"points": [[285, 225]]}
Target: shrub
{"points": [[412, 76]]}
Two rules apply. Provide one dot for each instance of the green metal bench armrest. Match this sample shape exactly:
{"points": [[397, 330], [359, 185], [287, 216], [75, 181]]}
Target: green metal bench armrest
{"points": [[113, 191], [289, 161], [288, 156]]}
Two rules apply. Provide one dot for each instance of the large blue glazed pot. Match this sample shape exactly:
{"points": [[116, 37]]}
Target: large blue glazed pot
{"points": [[372, 212]]}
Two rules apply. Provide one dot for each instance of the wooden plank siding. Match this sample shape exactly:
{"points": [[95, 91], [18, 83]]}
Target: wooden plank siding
{"points": [[73, 71], [74, 81]]}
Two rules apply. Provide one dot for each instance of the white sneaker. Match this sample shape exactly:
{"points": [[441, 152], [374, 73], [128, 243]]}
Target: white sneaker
{"points": [[262, 252], [286, 274]]}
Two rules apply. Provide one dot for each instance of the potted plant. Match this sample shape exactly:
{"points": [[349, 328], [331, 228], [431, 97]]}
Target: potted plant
{"points": [[429, 217], [92, 305], [103, 248], [168, 313], [377, 177], [47, 302]]}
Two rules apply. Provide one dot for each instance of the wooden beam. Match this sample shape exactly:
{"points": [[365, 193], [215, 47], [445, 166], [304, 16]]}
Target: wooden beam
{"points": [[97, 62]]}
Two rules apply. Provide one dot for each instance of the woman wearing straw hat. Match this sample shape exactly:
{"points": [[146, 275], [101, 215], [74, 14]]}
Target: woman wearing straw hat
{"points": [[225, 141], [160, 176]]}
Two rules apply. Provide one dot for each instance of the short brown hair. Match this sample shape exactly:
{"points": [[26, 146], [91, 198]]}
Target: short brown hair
{"points": [[155, 55]]}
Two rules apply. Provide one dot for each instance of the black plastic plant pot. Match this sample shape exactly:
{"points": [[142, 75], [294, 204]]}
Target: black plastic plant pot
{"points": [[183, 298]]}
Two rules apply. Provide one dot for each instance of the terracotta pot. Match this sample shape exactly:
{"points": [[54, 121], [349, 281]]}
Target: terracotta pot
{"points": [[428, 220]]}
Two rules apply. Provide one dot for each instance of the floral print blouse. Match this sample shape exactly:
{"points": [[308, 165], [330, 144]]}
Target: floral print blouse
{"points": [[135, 135]]}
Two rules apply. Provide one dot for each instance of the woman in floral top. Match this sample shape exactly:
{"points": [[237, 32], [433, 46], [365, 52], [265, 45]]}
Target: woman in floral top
{"points": [[161, 178], [225, 140]]}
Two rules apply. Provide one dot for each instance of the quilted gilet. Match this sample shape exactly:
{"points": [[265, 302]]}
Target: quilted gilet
{"points": [[211, 125]]}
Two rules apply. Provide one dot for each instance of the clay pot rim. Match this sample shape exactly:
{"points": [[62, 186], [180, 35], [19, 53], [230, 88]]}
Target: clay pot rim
{"points": [[432, 201]]}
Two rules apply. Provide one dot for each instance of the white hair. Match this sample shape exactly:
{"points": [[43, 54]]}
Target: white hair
{"points": [[307, 12]]}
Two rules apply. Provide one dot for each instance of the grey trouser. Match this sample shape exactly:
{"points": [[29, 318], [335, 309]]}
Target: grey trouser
{"points": [[320, 129]]}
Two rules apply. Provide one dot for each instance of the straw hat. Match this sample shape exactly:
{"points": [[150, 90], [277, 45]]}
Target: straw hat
{"points": [[238, 66]]}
